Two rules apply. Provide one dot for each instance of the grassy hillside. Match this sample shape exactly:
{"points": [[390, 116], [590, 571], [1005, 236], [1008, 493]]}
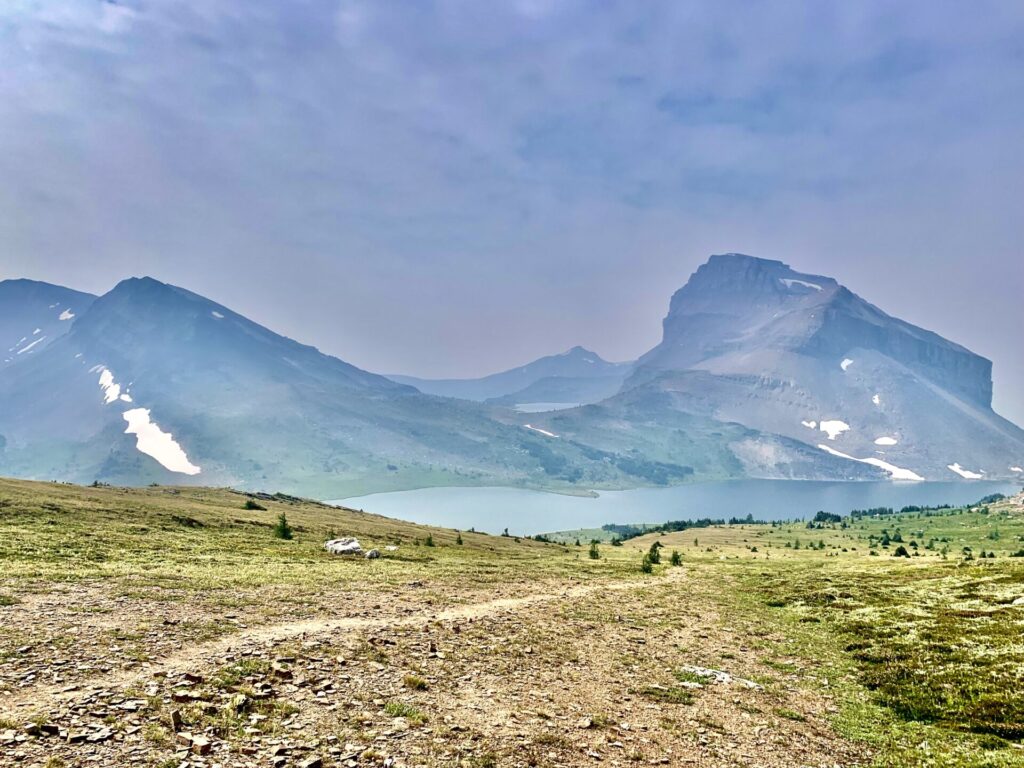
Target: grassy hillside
{"points": [[150, 626]]}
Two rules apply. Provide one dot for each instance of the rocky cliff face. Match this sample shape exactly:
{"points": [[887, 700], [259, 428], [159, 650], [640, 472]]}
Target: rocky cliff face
{"points": [[736, 303], [753, 341]]}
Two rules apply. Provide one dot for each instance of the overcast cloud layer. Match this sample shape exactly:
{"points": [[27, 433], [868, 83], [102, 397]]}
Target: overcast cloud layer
{"points": [[452, 188]]}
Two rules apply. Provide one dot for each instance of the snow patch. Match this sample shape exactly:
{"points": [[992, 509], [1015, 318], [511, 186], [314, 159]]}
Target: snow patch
{"points": [[217, 314], [111, 389], [886, 441], [810, 424], [789, 283], [67, 314], [126, 398], [896, 473], [966, 474], [27, 347], [1017, 469], [847, 362], [37, 331], [833, 428], [154, 442], [877, 399], [542, 431]]}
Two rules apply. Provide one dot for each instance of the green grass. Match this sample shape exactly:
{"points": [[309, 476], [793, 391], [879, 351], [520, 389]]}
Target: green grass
{"points": [[401, 709], [922, 656], [668, 695]]}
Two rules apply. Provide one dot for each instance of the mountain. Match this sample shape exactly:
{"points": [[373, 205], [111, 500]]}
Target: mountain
{"points": [[576, 376], [33, 315], [798, 356], [153, 383], [762, 371]]}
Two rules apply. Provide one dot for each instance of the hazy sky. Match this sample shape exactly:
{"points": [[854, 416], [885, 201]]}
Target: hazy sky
{"points": [[451, 188]]}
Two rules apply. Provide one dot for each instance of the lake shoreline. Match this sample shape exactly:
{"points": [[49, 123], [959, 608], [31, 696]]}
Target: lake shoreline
{"points": [[528, 512]]}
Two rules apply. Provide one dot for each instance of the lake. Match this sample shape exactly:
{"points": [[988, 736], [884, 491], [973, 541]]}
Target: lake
{"points": [[526, 512]]}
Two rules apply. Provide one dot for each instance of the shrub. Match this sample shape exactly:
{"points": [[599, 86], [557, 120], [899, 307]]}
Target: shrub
{"points": [[901, 551], [655, 552], [595, 553], [414, 682], [458, 539], [282, 530], [429, 541], [676, 558], [646, 566], [253, 504]]}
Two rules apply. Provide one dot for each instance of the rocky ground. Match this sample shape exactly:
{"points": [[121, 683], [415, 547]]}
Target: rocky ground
{"points": [[171, 628], [578, 676]]}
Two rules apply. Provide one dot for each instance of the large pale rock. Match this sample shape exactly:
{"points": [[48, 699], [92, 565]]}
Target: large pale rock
{"points": [[344, 547]]}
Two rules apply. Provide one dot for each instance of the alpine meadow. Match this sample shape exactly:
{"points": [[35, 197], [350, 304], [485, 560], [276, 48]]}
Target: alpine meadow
{"points": [[535, 383]]}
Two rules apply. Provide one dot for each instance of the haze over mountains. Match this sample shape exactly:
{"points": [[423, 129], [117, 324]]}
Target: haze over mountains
{"points": [[762, 372], [574, 377]]}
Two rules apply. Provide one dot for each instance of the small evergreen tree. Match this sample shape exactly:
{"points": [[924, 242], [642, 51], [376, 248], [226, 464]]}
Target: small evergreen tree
{"points": [[595, 553], [282, 530], [458, 539], [646, 566], [430, 540], [676, 558], [655, 552]]}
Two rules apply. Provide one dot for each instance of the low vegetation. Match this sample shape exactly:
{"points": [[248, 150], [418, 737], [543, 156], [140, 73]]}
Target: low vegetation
{"points": [[886, 638]]}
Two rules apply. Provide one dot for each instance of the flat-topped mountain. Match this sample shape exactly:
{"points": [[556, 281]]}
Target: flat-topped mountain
{"points": [[751, 341]]}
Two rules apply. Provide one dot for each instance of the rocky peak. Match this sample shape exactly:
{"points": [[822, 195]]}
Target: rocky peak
{"points": [[734, 282]]}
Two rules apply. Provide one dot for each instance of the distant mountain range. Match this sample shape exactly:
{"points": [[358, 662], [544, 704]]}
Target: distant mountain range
{"points": [[572, 378], [762, 372]]}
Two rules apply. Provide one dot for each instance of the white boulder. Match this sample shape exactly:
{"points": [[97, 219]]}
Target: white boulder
{"points": [[344, 547]]}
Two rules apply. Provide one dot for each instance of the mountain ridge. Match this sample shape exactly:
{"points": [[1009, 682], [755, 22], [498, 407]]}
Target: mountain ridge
{"points": [[762, 371], [574, 371]]}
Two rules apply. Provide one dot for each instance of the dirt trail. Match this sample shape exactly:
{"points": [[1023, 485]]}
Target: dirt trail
{"points": [[17, 703]]}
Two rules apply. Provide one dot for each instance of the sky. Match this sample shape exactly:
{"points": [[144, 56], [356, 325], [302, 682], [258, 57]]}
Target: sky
{"points": [[452, 188]]}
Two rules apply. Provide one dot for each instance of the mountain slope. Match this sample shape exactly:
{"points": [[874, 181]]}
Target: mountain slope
{"points": [[762, 372], [578, 376], [155, 383], [754, 342], [33, 315]]}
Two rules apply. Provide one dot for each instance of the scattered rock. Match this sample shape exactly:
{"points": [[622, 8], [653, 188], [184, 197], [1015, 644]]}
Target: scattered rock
{"points": [[200, 745]]}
